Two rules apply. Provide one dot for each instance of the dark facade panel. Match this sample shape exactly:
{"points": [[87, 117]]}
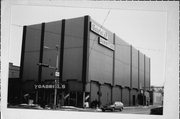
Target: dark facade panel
{"points": [[31, 53], [51, 49], [122, 63], [74, 85], [141, 70], [134, 68], [73, 49]]}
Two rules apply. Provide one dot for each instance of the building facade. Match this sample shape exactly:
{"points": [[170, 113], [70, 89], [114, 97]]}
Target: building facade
{"points": [[14, 84], [94, 64]]}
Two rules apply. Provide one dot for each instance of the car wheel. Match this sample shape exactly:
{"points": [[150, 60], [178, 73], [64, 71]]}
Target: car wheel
{"points": [[103, 110], [120, 109]]}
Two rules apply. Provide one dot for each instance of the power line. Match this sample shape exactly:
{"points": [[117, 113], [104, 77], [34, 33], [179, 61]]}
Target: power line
{"points": [[86, 7], [100, 27], [95, 39]]}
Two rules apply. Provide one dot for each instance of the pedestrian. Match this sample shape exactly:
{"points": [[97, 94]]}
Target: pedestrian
{"points": [[86, 104], [26, 98]]}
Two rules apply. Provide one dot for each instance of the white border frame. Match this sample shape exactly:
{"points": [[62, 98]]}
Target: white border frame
{"points": [[171, 95]]}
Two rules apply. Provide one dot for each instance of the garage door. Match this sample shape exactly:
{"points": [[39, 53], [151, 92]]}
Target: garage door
{"points": [[116, 96], [134, 94], [105, 98], [125, 96], [94, 87]]}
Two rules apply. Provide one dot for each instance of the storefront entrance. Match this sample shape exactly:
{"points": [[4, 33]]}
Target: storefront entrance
{"points": [[74, 98]]}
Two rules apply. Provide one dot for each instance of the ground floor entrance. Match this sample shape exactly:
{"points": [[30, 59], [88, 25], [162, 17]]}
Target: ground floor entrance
{"points": [[73, 98]]}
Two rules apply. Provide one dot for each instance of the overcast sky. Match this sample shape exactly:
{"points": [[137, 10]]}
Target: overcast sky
{"points": [[145, 30]]}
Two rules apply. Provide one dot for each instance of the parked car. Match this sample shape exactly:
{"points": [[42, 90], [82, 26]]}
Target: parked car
{"points": [[157, 111], [117, 105]]}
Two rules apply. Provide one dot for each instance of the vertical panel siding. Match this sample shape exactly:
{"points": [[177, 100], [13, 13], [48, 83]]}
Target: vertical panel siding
{"points": [[141, 70], [122, 61], [147, 73], [134, 68], [52, 41], [32, 52], [100, 60], [73, 49]]}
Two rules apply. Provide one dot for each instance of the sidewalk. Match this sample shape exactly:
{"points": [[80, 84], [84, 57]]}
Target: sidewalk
{"points": [[70, 108], [140, 107]]}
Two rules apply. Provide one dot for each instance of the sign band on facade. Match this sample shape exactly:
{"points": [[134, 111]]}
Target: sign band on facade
{"points": [[45, 86], [106, 43], [95, 28]]}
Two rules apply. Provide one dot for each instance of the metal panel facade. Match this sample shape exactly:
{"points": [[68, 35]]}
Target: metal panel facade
{"points": [[122, 63], [73, 49], [134, 68], [106, 64], [100, 59], [147, 73], [141, 70], [31, 53], [51, 49]]}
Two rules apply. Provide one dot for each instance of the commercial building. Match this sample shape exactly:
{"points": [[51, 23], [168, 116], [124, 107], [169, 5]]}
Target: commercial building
{"points": [[157, 95], [14, 84], [93, 63]]}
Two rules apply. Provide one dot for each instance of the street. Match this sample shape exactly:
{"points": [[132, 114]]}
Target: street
{"points": [[126, 110], [136, 110]]}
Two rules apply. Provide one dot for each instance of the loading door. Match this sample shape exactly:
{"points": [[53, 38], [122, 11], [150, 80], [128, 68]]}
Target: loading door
{"points": [[134, 94], [116, 96], [105, 98], [94, 93], [125, 96]]}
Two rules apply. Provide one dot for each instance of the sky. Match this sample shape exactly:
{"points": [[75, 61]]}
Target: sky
{"points": [[145, 30]]}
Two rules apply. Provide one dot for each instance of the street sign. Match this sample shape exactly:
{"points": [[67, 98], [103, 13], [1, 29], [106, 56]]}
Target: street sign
{"points": [[63, 86], [57, 74], [49, 86], [66, 96]]}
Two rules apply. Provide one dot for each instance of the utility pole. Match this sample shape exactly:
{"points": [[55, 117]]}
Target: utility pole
{"points": [[56, 75]]}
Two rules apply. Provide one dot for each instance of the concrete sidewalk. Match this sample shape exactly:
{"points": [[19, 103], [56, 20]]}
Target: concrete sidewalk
{"points": [[70, 108]]}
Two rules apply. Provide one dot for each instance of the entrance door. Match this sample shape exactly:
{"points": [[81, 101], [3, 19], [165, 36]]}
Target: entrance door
{"points": [[76, 99], [134, 100]]}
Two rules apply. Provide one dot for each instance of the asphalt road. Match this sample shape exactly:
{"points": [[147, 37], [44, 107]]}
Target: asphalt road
{"points": [[127, 110], [135, 110]]}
